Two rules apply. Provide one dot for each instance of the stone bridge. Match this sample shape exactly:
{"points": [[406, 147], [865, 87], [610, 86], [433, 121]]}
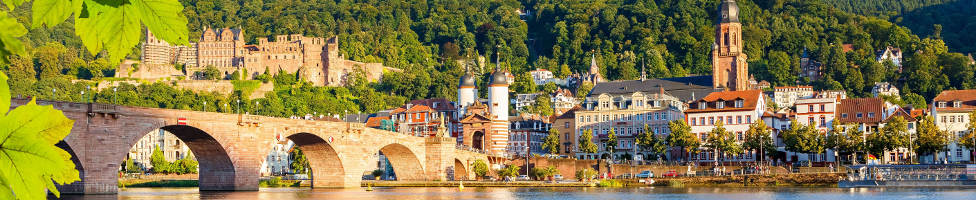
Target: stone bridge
{"points": [[231, 148]]}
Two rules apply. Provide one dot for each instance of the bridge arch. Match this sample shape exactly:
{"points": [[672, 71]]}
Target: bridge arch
{"points": [[460, 170], [216, 168], [405, 163], [77, 187], [327, 168]]}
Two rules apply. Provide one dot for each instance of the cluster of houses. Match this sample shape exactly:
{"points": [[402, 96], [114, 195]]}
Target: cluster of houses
{"points": [[627, 108]]}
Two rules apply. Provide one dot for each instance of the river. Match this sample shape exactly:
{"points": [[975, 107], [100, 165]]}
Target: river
{"points": [[402, 193]]}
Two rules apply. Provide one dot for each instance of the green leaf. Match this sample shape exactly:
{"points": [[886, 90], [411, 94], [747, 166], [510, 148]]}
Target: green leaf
{"points": [[11, 4], [85, 28], [4, 95], [50, 12], [28, 155], [165, 19], [9, 42], [117, 26]]}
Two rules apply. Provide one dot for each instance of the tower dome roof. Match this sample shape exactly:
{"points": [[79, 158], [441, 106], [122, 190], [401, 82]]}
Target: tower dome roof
{"points": [[467, 80], [728, 12], [498, 77]]}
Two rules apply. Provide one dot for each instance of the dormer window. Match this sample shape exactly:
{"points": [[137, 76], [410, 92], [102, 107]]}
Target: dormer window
{"points": [[957, 104], [720, 104], [942, 104], [702, 105], [739, 103]]}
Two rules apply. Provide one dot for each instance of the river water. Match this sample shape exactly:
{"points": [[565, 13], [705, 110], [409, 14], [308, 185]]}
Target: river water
{"points": [[401, 193]]}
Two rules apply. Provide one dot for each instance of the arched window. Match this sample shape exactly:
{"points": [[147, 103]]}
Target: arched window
{"points": [[726, 38]]}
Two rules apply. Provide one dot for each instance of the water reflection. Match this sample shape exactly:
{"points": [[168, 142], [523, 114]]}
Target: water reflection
{"points": [[550, 193]]}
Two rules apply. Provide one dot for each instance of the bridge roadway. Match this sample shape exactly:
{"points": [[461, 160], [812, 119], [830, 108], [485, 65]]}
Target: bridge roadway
{"points": [[231, 147]]}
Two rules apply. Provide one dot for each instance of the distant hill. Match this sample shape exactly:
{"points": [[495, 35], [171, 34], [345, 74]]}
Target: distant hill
{"points": [[883, 7], [957, 18]]}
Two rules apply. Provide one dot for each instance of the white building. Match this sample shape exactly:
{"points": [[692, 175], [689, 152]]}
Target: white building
{"points": [[885, 88], [563, 100], [951, 110], [173, 149], [278, 161], [541, 76], [524, 101], [890, 53], [785, 97], [817, 111], [736, 110]]}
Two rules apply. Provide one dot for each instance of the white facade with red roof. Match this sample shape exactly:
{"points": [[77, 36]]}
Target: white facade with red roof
{"points": [[951, 110], [736, 110]]}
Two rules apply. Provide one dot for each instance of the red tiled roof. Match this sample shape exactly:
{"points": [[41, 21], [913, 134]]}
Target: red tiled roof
{"points": [[848, 47], [412, 109], [750, 101], [376, 121], [901, 113], [967, 97], [860, 105], [442, 104]]}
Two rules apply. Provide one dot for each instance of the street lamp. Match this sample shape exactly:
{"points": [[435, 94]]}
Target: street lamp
{"points": [[87, 88], [256, 105], [238, 106], [54, 94], [115, 90], [204, 106], [83, 99]]}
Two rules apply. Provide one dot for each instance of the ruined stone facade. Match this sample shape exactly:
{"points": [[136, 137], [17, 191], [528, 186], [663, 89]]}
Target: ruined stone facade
{"points": [[315, 59]]}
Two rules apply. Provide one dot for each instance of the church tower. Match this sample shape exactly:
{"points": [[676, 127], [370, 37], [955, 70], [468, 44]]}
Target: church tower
{"points": [[729, 67]]}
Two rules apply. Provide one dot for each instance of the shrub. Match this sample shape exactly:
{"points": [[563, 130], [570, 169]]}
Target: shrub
{"points": [[585, 174], [610, 183]]}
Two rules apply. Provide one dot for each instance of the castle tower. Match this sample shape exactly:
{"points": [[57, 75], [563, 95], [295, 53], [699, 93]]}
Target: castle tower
{"points": [[498, 107], [729, 67]]}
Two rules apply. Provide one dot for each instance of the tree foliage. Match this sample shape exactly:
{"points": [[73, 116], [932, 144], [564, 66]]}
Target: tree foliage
{"points": [[586, 144], [299, 162], [551, 142], [931, 140], [759, 138], [480, 168], [803, 139], [681, 136], [722, 141]]}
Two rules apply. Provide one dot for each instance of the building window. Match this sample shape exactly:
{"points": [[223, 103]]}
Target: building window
{"points": [[810, 108], [739, 103], [565, 124], [957, 104], [843, 115], [738, 119], [823, 121], [748, 119], [942, 104], [694, 122], [823, 108], [860, 115], [810, 119], [870, 114], [728, 119], [702, 105], [720, 104]]}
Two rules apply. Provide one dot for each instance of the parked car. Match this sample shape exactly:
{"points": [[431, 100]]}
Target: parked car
{"points": [[523, 178], [646, 174], [670, 173], [557, 177]]}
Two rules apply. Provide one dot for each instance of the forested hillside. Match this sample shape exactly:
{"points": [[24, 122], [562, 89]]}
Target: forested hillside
{"points": [[664, 37], [951, 20]]}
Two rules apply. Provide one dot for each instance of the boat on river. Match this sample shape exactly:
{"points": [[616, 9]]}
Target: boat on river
{"points": [[941, 175]]}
